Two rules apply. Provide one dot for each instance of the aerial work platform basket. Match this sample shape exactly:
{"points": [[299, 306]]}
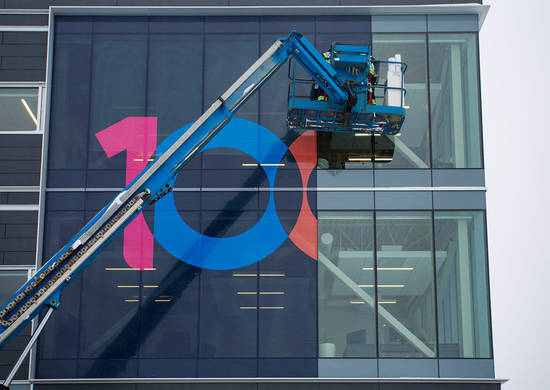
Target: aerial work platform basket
{"points": [[353, 65]]}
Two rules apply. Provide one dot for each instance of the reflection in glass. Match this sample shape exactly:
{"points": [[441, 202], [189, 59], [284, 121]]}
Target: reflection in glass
{"points": [[118, 83], [412, 146], [173, 96], [10, 281], [346, 261], [406, 308], [338, 150], [462, 301], [454, 97], [18, 109]]}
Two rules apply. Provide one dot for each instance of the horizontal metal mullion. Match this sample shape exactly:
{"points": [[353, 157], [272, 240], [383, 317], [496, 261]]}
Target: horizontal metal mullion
{"points": [[283, 189], [266, 380]]}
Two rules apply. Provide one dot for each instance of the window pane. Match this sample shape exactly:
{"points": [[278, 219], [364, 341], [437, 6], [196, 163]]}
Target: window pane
{"points": [[346, 261], [406, 308], [18, 109], [10, 281], [118, 88], [454, 96], [462, 300], [335, 148], [412, 147]]}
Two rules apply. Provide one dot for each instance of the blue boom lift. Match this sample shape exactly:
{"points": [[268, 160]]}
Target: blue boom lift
{"points": [[345, 80]]}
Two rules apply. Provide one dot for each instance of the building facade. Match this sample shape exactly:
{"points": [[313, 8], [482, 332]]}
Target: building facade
{"points": [[282, 258]]}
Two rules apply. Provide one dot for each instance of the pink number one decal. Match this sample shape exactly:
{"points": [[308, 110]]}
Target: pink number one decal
{"points": [[138, 136]]}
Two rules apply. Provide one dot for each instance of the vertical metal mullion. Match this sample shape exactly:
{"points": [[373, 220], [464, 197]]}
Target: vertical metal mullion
{"points": [[428, 94], [479, 105], [487, 279], [375, 266], [436, 312], [32, 352], [43, 165]]}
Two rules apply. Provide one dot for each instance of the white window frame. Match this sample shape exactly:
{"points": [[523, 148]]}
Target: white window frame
{"points": [[40, 107]]}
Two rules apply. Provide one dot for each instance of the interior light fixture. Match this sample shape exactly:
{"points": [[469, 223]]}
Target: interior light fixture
{"points": [[24, 103], [357, 302], [360, 159], [131, 300], [150, 286], [269, 275], [138, 159], [272, 165], [362, 135], [246, 292], [127, 286], [381, 285], [163, 300], [248, 307], [272, 293], [249, 164], [272, 307], [387, 302], [245, 275]]}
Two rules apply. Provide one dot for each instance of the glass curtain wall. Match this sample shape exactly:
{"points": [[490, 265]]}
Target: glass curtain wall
{"points": [[406, 297], [400, 278], [411, 148], [172, 68], [450, 62], [347, 322], [454, 98], [462, 290]]}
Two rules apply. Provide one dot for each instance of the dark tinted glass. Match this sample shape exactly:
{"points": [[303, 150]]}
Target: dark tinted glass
{"points": [[164, 321], [10, 281]]}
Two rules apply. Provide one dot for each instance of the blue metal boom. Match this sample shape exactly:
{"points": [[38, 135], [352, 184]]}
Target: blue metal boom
{"points": [[158, 178]]}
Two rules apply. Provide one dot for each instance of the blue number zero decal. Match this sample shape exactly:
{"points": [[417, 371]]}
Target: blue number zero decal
{"points": [[237, 251]]}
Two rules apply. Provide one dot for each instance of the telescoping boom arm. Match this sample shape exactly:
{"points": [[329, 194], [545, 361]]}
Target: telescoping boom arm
{"points": [[158, 179]]}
